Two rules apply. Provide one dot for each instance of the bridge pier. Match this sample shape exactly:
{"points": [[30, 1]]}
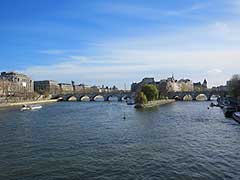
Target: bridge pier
{"points": [[106, 99], [120, 99]]}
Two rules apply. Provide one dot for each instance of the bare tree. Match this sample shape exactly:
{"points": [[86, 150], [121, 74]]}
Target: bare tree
{"points": [[234, 86]]}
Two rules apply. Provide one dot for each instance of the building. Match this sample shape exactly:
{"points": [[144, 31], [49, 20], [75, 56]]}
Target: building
{"points": [[222, 88], [66, 88], [15, 84], [173, 85], [46, 87], [79, 88], [204, 85], [200, 86], [136, 87], [5, 87], [170, 85], [95, 89], [82, 88], [185, 85]]}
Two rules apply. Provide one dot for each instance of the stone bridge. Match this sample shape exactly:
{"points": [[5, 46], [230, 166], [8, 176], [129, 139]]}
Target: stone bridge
{"points": [[194, 95], [120, 96]]}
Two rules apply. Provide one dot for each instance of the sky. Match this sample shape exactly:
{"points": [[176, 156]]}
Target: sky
{"points": [[117, 42]]}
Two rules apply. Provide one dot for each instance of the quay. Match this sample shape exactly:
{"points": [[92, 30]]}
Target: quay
{"points": [[18, 104], [151, 104]]}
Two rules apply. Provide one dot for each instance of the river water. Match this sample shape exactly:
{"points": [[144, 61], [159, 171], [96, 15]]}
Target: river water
{"points": [[77, 140]]}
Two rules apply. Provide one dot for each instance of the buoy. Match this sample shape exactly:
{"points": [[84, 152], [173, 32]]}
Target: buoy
{"points": [[124, 117]]}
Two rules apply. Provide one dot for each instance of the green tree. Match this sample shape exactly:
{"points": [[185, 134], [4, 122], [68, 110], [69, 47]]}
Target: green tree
{"points": [[150, 91], [234, 86], [141, 98]]}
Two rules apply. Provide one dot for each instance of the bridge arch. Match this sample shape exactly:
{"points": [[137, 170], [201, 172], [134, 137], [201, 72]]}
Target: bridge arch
{"points": [[187, 97], [125, 98], [72, 98], [112, 98], [177, 98], [84, 98], [60, 98], [201, 97], [98, 98]]}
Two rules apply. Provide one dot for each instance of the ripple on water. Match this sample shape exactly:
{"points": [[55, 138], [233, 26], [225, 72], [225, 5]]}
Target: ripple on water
{"points": [[183, 140]]}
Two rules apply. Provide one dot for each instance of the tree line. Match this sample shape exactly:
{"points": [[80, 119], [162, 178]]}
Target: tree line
{"points": [[234, 86], [149, 92]]}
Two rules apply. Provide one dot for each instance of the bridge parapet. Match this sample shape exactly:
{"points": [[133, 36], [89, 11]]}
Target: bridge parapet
{"points": [[92, 96]]}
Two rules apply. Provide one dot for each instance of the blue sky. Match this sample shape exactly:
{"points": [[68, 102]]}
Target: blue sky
{"points": [[116, 42]]}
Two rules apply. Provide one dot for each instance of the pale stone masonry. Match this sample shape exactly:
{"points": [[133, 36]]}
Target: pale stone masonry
{"points": [[19, 85], [171, 85], [15, 84], [46, 86]]}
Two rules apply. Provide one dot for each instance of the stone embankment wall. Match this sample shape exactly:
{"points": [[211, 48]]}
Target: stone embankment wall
{"points": [[155, 103]]}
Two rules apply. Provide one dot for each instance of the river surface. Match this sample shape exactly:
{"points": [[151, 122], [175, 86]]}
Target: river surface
{"points": [[89, 141]]}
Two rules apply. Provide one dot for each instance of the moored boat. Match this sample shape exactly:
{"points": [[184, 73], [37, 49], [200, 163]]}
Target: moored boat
{"points": [[222, 102], [31, 107], [229, 110], [236, 116]]}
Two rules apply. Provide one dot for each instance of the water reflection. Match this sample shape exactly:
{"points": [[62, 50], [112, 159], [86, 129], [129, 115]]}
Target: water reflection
{"points": [[183, 140]]}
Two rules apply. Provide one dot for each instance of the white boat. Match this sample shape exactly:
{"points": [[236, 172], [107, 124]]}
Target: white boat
{"points": [[236, 116], [31, 107]]}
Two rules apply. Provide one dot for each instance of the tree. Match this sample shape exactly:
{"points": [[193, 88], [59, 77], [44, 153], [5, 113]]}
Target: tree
{"points": [[163, 89], [141, 98], [150, 91], [234, 86]]}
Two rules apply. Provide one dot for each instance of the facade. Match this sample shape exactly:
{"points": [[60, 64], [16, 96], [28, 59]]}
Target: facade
{"points": [[21, 86], [66, 88], [5, 87], [200, 86], [95, 89], [220, 88], [46, 87], [170, 85], [173, 85], [185, 85], [15, 84], [136, 87], [79, 88]]}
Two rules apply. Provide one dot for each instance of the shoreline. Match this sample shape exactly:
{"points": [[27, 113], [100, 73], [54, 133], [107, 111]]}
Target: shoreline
{"points": [[151, 104], [18, 104]]}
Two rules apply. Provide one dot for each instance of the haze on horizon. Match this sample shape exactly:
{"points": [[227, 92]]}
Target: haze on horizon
{"points": [[116, 42]]}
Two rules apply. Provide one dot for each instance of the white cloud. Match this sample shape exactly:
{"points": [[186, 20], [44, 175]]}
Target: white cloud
{"points": [[195, 65], [209, 51], [215, 71], [80, 58]]}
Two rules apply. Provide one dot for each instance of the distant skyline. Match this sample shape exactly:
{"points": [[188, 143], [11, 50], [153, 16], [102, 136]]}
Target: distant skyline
{"points": [[114, 42]]}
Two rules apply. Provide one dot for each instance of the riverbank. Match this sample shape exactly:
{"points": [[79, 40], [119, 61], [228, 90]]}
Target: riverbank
{"points": [[151, 104], [18, 104]]}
